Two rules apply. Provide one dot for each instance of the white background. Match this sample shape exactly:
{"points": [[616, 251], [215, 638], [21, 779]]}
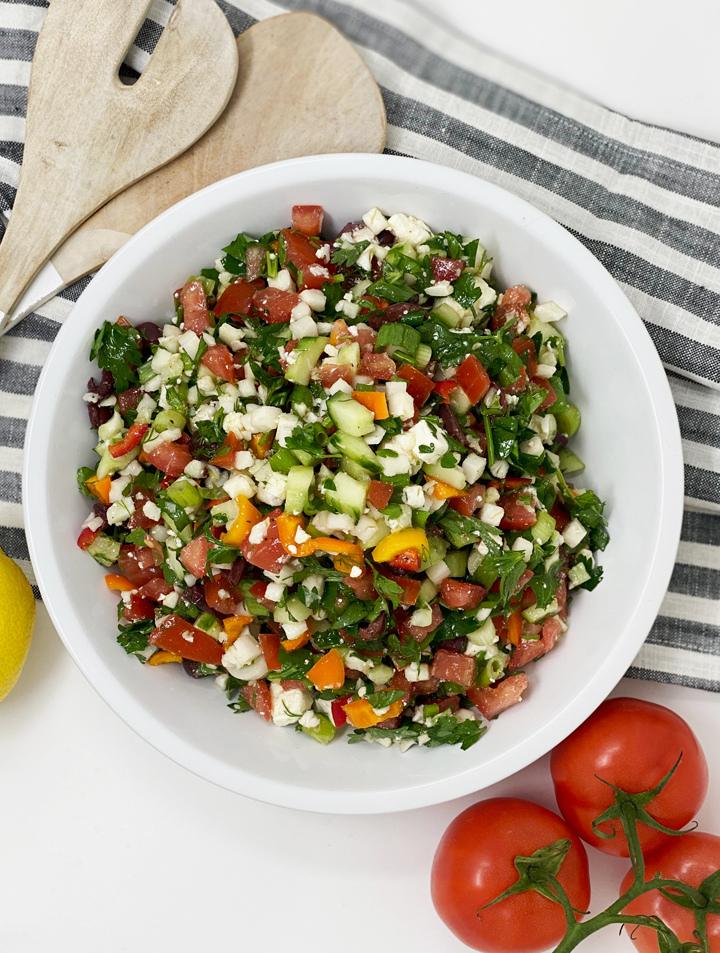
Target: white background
{"points": [[107, 846]]}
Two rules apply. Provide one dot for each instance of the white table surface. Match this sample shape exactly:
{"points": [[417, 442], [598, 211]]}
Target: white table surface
{"points": [[106, 845]]}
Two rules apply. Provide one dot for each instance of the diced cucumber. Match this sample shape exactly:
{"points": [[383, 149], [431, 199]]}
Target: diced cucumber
{"points": [[111, 428], [578, 574], [349, 354], [449, 316], [570, 462], [304, 458], [104, 550], [109, 464], [459, 401], [297, 492], [175, 565], [322, 733], [544, 528], [292, 611], [184, 493], [438, 548], [453, 476], [541, 327], [381, 674], [349, 495], [401, 248], [428, 590], [456, 562], [350, 416], [535, 614], [282, 460], [356, 449], [354, 470], [569, 420], [208, 623], [308, 354]]}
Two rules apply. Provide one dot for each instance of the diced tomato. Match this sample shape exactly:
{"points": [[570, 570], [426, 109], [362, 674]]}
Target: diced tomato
{"points": [[138, 608], [87, 537], [366, 338], [237, 298], [525, 577], [560, 515], [524, 345], [491, 702], [419, 632], [219, 362], [519, 512], [400, 683], [254, 258], [140, 497], [467, 505], [171, 458], [274, 305], [551, 395], [258, 697], [307, 219], [519, 384], [473, 378], [530, 649], [379, 494], [330, 373], [138, 564], [513, 305], [301, 253], [193, 556], [446, 269], [225, 457], [131, 439], [461, 595], [409, 586], [514, 483], [176, 635], [381, 367], [270, 645], [363, 586], [408, 559], [257, 591], [156, 589], [444, 389], [218, 596], [419, 386], [268, 555], [370, 304], [195, 310], [338, 712], [453, 667]]}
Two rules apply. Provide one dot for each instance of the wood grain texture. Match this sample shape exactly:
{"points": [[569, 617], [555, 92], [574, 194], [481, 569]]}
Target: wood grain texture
{"points": [[88, 136], [301, 90]]}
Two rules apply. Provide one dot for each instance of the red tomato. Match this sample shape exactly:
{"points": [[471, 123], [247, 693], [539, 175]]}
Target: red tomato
{"points": [[560, 515], [419, 632], [258, 696], [519, 511], [138, 608], [526, 346], [218, 596], [176, 635], [491, 702], [195, 310], [338, 712], [138, 564], [171, 458], [518, 385], [530, 649], [541, 382], [379, 366], [156, 589], [330, 373], [444, 389], [409, 586], [419, 386], [453, 667], [140, 497], [131, 439], [237, 297], [193, 556], [307, 219], [270, 645], [257, 591], [461, 595], [274, 305], [269, 554], [408, 559], [474, 863], [379, 494], [219, 362], [473, 378], [446, 269], [87, 537], [513, 305], [363, 586], [632, 744], [467, 505], [312, 273], [690, 858]]}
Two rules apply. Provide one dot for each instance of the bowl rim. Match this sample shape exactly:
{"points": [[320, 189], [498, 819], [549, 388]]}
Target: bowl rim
{"points": [[568, 715]]}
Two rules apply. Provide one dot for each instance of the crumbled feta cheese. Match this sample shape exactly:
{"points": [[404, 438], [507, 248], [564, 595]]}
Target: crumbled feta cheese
{"points": [[492, 514], [549, 311], [117, 488], [259, 532], [120, 511], [283, 282], [533, 447], [348, 307], [309, 719], [314, 299], [167, 436], [376, 436], [152, 511], [407, 228], [286, 423], [544, 370], [273, 490], [240, 485], [414, 496], [340, 385], [473, 467], [323, 253], [359, 234], [229, 334], [400, 403], [375, 221], [206, 384], [572, 534], [189, 342], [403, 521], [246, 388], [523, 546], [301, 310], [439, 289], [288, 707], [358, 664], [302, 327], [499, 469], [243, 459], [327, 522]]}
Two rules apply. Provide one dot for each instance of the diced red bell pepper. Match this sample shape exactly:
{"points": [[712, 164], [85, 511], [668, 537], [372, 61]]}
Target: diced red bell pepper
{"points": [[270, 645], [338, 712], [131, 439], [408, 559], [176, 635], [444, 389], [87, 537], [418, 385], [473, 378]]}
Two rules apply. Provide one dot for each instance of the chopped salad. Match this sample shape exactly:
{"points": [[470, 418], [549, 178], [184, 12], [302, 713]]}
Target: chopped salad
{"points": [[337, 481]]}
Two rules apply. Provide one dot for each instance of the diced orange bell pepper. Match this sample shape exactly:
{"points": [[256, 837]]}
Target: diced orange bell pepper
{"points": [[328, 672], [261, 444], [100, 488], [443, 491], [233, 626], [162, 657], [395, 543], [225, 456], [361, 714], [374, 401], [287, 526], [515, 627], [247, 517], [350, 554], [291, 644], [118, 583]]}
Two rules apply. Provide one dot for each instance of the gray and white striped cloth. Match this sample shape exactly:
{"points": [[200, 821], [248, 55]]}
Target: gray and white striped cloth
{"points": [[644, 200]]}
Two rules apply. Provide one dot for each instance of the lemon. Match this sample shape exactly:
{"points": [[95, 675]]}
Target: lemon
{"points": [[17, 616]]}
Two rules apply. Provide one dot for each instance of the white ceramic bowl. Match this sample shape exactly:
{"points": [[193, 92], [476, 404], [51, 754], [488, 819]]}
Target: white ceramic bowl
{"points": [[629, 439]]}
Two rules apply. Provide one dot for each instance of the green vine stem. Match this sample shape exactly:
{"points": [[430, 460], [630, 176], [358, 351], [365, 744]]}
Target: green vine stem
{"points": [[539, 872]]}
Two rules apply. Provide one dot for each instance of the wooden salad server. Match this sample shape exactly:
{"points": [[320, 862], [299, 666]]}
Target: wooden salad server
{"points": [[321, 102], [89, 136]]}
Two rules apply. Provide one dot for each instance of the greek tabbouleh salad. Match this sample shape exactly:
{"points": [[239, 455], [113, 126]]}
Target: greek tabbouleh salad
{"points": [[337, 481]]}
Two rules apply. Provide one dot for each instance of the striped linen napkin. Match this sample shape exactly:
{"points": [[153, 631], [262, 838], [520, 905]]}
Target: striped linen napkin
{"points": [[644, 200]]}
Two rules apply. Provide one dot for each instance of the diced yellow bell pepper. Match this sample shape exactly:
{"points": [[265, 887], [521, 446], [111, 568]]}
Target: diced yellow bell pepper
{"points": [[247, 517], [411, 538], [162, 658]]}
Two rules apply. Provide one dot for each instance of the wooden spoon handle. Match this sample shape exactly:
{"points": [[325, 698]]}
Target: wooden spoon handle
{"points": [[88, 135]]}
